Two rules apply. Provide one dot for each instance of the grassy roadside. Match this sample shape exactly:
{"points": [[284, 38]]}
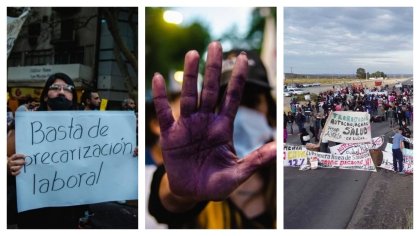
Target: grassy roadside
{"points": [[339, 81]]}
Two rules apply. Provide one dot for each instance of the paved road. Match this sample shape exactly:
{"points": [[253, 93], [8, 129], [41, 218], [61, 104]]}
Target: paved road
{"points": [[324, 198], [321, 199]]}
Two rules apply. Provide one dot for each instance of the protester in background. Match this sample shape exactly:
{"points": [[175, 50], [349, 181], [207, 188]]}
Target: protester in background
{"points": [[202, 175], [312, 124], [400, 115], [397, 156], [392, 116], [308, 111], [27, 104], [406, 132], [128, 104], [300, 120], [90, 99], [317, 125], [290, 119], [58, 94]]}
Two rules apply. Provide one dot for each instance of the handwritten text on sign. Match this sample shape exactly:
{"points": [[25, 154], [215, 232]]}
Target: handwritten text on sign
{"points": [[294, 155], [362, 161], [75, 157], [357, 148], [348, 127]]}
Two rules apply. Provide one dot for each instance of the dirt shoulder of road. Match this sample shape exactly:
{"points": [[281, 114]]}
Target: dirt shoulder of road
{"points": [[386, 203]]}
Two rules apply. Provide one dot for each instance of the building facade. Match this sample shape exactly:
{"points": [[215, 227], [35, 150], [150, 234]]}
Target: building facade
{"points": [[75, 41]]}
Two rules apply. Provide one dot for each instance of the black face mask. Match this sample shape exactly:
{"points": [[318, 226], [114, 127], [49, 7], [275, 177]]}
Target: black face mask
{"points": [[60, 103]]}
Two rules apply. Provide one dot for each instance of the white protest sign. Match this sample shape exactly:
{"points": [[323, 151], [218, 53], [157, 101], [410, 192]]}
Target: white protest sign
{"points": [[377, 142], [357, 148], [294, 156], [387, 161], [325, 160], [362, 161], [348, 127], [407, 160], [75, 157]]}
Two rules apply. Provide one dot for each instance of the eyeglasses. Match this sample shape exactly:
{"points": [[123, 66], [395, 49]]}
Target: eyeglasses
{"points": [[65, 87]]}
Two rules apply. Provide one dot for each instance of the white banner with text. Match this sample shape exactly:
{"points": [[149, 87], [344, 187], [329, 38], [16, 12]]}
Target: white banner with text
{"points": [[76, 157]]}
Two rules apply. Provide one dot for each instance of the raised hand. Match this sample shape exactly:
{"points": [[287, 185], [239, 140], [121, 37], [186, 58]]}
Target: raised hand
{"points": [[198, 150]]}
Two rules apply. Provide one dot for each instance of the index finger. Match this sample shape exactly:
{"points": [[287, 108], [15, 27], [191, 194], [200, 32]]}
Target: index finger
{"points": [[236, 84]]}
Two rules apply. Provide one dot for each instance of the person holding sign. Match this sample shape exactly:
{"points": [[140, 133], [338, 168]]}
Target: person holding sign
{"points": [[201, 168], [58, 94]]}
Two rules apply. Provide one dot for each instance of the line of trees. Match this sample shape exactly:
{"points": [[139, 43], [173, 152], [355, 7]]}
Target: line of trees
{"points": [[361, 74]]}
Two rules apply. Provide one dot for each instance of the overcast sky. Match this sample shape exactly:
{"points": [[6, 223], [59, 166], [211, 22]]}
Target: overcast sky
{"points": [[340, 40]]}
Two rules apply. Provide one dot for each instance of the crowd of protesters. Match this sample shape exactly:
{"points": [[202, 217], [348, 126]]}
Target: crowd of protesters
{"points": [[390, 104]]}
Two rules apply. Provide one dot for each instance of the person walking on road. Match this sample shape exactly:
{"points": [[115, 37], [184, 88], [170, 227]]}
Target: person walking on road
{"points": [[290, 119], [300, 119]]}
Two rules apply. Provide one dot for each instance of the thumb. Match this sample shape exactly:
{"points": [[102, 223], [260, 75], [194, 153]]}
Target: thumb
{"points": [[257, 159]]}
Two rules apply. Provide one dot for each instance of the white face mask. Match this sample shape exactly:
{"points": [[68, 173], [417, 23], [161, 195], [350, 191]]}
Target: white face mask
{"points": [[251, 130]]}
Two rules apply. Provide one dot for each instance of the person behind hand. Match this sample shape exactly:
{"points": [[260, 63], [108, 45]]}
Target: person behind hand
{"points": [[58, 94], [201, 168]]}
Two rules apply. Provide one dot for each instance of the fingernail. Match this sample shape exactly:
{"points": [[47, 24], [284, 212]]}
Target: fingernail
{"points": [[243, 53]]}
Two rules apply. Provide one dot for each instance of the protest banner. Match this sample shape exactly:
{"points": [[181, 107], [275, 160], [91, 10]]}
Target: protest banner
{"points": [[294, 156], [325, 160], [75, 157], [387, 161], [361, 161], [357, 148], [348, 127]]}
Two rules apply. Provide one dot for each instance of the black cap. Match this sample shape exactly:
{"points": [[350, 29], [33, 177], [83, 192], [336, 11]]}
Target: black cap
{"points": [[257, 74]]}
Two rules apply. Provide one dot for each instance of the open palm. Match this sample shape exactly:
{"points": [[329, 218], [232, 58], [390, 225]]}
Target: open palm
{"points": [[198, 150]]}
